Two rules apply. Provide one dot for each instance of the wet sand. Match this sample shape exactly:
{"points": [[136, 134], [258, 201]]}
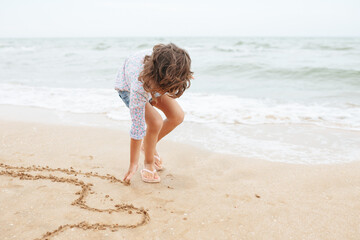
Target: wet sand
{"points": [[64, 182]]}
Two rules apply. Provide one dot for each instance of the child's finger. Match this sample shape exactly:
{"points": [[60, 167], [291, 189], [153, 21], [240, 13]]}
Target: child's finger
{"points": [[126, 175], [127, 181]]}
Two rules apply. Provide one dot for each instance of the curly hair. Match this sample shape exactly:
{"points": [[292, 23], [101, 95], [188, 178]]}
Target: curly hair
{"points": [[167, 69]]}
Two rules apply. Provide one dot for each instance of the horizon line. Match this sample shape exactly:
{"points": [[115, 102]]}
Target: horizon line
{"points": [[183, 36]]}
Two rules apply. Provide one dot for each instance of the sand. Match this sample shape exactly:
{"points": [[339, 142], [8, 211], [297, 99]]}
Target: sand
{"points": [[64, 182]]}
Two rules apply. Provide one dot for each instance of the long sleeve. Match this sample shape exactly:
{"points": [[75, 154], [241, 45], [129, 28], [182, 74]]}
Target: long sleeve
{"points": [[120, 83], [127, 80], [137, 112]]}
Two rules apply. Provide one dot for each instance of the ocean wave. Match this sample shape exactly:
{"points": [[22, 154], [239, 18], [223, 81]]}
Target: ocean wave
{"points": [[199, 108], [233, 68], [312, 72], [245, 46], [70, 54], [225, 49], [226, 109], [101, 47], [264, 71], [241, 46], [7, 48], [317, 46], [144, 46], [256, 44]]}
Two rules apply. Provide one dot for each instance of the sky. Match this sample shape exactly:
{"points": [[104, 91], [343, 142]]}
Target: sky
{"points": [[123, 18]]}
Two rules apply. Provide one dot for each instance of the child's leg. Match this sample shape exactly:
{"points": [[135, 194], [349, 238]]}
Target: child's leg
{"points": [[173, 112], [174, 116], [154, 124]]}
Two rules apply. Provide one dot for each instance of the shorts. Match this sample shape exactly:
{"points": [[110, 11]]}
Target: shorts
{"points": [[125, 96]]}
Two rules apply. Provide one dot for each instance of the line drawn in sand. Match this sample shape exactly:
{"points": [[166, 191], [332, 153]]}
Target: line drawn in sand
{"points": [[20, 172]]}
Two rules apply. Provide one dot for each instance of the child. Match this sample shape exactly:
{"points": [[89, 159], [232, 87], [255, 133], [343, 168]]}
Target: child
{"points": [[148, 79]]}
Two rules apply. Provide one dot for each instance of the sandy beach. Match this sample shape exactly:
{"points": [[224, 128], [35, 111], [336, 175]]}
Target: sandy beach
{"points": [[61, 181]]}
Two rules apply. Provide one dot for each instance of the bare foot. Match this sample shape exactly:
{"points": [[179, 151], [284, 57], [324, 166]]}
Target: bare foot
{"points": [[152, 175], [158, 163], [157, 160]]}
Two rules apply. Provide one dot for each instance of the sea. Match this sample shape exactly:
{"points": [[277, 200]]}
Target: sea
{"points": [[293, 100]]}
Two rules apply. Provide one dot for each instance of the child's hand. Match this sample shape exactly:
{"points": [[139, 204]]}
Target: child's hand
{"points": [[132, 170]]}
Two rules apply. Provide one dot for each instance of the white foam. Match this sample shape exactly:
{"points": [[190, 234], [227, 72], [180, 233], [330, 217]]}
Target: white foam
{"points": [[63, 99], [199, 108], [205, 108], [17, 49]]}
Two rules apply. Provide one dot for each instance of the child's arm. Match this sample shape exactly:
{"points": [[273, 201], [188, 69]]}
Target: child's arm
{"points": [[138, 130], [134, 158]]}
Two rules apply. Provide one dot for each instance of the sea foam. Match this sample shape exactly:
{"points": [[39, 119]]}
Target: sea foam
{"points": [[199, 107]]}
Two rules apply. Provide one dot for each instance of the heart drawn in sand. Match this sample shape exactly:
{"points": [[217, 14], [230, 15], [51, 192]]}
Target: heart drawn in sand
{"points": [[20, 172]]}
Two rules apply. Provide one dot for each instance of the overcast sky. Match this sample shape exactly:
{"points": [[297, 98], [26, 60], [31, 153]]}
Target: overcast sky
{"points": [[118, 18]]}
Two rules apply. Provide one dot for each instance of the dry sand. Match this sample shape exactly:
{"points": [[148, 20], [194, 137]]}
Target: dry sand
{"points": [[63, 182]]}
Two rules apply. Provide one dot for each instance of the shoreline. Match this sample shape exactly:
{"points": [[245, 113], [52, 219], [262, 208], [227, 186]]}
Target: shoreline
{"points": [[202, 195], [289, 143]]}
